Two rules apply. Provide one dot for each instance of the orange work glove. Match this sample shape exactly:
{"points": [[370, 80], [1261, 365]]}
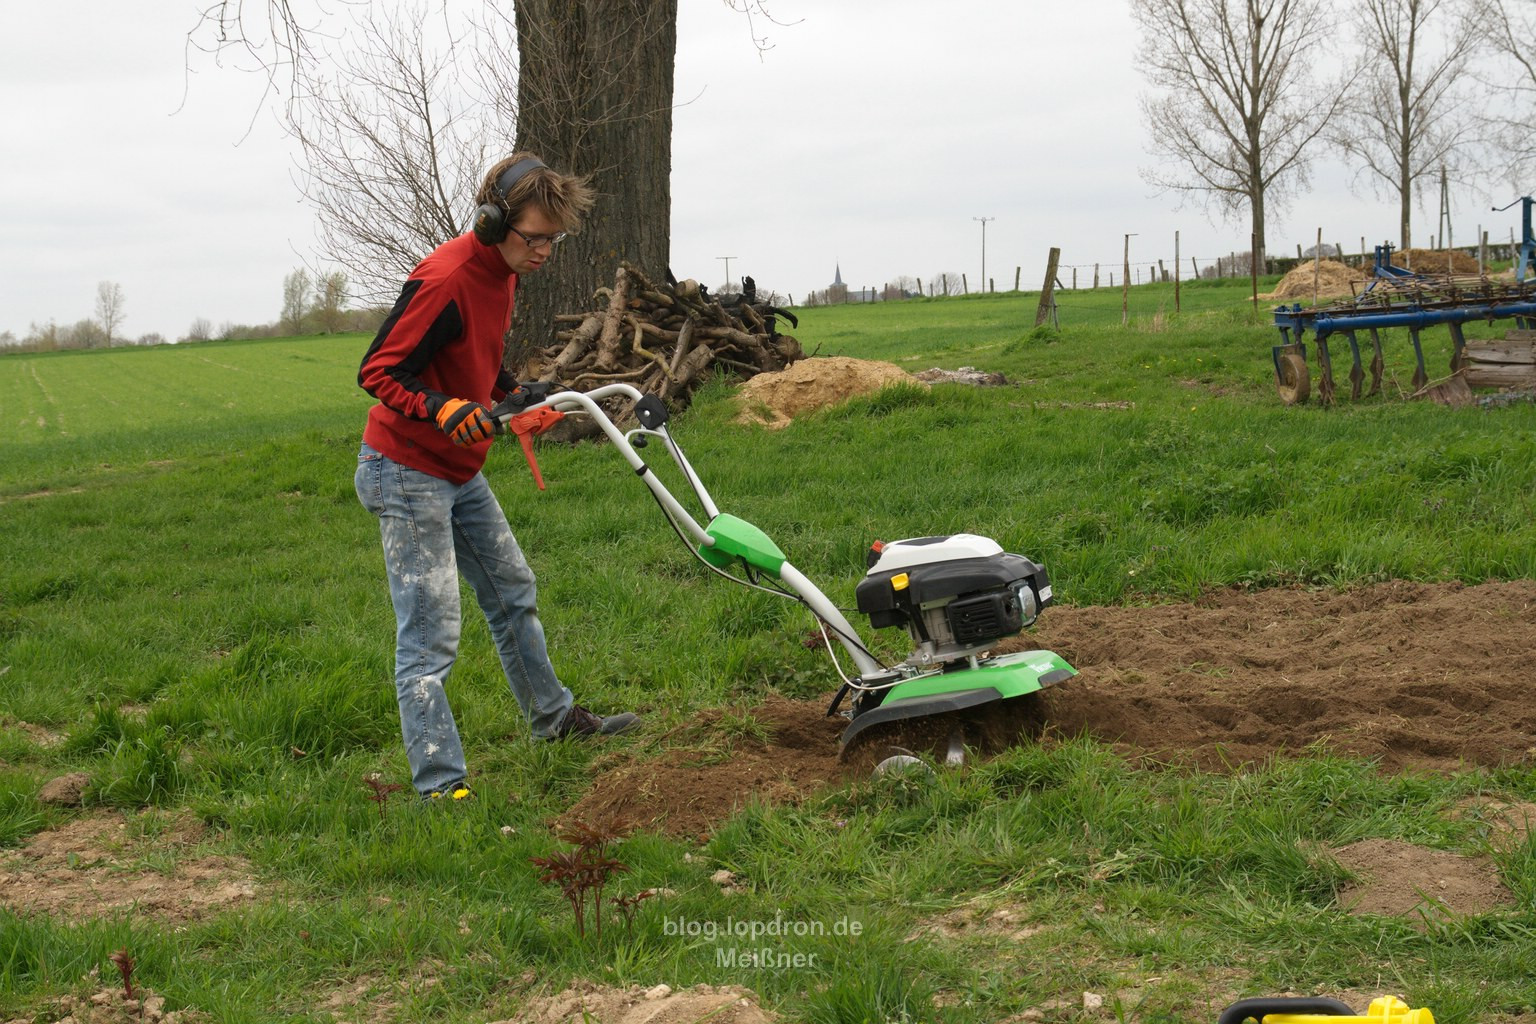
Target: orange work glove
{"points": [[465, 422]]}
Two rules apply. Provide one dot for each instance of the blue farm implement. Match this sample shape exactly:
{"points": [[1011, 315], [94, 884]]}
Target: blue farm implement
{"points": [[1398, 298]]}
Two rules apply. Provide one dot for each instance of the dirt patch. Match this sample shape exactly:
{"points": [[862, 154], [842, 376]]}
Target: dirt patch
{"points": [[725, 1004], [1506, 823], [114, 1006], [1332, 280], [38, 735], [1402, 880], [1427, 676], [775, 399], [778, 752], [108, 864]]}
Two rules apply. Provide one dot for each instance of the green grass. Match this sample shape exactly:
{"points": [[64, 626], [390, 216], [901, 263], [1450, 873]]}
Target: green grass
{"points": [[192, 596]]}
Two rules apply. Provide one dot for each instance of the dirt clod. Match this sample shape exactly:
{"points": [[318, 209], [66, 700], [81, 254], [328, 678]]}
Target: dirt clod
{"points": [[66, 790]]}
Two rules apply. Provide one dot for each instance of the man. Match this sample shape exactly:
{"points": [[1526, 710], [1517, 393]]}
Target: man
{"points": [[435, 367]]}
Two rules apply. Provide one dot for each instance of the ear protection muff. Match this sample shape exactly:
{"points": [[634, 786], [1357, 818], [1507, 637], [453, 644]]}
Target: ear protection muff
{"points": [[490, 220]]}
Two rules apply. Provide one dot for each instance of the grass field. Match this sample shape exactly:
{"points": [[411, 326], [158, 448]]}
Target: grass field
{"points": [[192, 611]]}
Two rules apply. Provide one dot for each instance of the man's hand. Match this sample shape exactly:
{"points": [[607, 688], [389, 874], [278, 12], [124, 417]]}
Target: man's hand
{"points": [[465, 422]]}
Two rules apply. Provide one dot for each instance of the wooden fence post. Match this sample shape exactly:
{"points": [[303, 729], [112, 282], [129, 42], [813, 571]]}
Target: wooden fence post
{"points": [[1016, 272], [1317, 264], [1175, 271], [1048, 290]]}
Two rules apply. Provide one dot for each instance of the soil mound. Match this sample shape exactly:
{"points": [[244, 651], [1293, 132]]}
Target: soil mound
{"points": [[775, 399], [722, 760], [1427, 676], [1435, 261], [1333, 279]]}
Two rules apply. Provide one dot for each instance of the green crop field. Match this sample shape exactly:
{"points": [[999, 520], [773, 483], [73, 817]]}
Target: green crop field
{"points": [[192, 612]]}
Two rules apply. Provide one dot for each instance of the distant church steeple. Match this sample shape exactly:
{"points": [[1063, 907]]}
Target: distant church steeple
{"points": [[838, 278]]}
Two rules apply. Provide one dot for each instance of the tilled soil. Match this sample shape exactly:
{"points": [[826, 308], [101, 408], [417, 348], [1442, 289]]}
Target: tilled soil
{"points": [[1426, 676]]}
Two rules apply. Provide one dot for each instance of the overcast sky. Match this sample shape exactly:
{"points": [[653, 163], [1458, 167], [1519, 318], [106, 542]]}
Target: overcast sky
{"points": [[871, 137]]}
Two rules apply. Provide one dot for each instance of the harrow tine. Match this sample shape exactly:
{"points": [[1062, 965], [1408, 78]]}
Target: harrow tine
{"points": [[1458, 354], [1325, 379], [1356, 374], [1378, 364], [1420, 375]]}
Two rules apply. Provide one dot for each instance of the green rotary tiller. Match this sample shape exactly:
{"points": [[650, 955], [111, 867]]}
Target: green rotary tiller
{"points": [[957, 595]]}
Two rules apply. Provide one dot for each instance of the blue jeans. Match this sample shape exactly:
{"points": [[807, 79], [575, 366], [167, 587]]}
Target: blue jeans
{"points": [[433, 530]]}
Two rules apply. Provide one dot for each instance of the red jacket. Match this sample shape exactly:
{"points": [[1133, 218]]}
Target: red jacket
{"points": [[444, 339]]}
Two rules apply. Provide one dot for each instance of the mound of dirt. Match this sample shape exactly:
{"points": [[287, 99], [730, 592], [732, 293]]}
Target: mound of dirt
{"points": [[775, 399], [1402, 880], [1429, 676], [723, 1004], [99, 866], [1333, 280], [1435, 261]]}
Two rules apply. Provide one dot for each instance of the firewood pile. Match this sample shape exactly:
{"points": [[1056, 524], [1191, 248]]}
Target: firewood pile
{"points": [[664, 339]]}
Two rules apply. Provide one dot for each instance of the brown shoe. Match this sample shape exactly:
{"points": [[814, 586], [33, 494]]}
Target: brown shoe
{"points": [[580, 722]]}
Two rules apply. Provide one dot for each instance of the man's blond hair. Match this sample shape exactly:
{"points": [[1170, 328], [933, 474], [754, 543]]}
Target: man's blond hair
{"points": [[563, 197]]}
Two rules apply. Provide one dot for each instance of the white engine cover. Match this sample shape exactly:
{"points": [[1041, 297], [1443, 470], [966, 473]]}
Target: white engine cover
{"points": [[898, 555]]}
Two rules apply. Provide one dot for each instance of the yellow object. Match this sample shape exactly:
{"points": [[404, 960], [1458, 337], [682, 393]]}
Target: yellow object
{"points": [[1384, 1009], [900, 581]]}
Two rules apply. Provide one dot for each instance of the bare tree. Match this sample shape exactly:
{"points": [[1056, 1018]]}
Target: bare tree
{"points": [[1408, 117], [1510, 25], [201, 330], [393, 150], [109, 309], [1238, 111], [296, 300], [331, 297]]}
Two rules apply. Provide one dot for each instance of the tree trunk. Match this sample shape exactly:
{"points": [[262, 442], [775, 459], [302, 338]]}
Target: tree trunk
{"points": [[595, 98]]}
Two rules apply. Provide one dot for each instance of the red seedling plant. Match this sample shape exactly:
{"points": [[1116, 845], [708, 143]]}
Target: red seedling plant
{"points": [[381, 791], [123, 961], [586, 869]]}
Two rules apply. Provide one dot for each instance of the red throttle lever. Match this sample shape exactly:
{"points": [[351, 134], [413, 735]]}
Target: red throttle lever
{"points": [[525, 425]]}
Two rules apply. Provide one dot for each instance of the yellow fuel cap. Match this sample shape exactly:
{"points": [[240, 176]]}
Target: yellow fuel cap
{"points": [[900, 581]]}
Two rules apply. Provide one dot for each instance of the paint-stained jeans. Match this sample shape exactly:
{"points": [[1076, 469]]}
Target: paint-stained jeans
{"points": [[433, 530]]}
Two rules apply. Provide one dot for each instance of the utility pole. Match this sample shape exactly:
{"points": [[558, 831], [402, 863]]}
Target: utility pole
{"points": [[1445, 212], [983, 249], [727, 266]]}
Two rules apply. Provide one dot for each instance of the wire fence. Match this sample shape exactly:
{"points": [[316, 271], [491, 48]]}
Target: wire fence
{"points": [[1118, 275]]}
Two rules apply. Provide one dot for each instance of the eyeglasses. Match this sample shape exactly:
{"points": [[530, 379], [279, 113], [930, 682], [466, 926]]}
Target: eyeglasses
{"points": [[538, 241]]}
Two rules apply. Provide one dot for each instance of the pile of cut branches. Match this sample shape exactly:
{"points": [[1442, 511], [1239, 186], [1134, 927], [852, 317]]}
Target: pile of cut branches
{"points": [[666, 339]]}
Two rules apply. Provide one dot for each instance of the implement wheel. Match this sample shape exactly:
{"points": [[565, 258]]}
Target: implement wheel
{"points": [[1295, 380]]}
